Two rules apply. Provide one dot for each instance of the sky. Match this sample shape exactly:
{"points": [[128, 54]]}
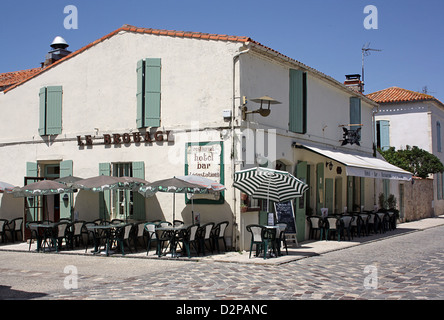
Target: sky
{"points": [[327, 35]]}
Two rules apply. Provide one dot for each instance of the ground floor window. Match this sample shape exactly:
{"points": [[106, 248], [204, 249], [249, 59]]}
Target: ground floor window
{"points": [[122, 199]]}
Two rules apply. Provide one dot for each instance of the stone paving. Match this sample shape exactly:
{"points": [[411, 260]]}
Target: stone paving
{"points": [[407, 265]]}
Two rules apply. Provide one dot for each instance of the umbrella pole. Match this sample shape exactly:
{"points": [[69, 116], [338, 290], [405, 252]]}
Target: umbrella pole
{"points": [[192, 210], [174, 207]]}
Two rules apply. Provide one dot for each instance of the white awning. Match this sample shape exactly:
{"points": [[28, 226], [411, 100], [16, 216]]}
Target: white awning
{"points": [[362, 166]]}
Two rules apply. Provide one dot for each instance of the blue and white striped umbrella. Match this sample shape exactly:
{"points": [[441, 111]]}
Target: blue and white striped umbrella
{"points": [[269, 184]]}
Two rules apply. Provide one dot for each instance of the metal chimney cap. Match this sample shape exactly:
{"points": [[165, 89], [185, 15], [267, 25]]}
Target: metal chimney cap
{"points": [[59, 43]]}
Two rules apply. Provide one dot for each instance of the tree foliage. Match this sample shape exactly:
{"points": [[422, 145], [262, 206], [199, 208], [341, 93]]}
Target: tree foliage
{"points": [[415, 160]]}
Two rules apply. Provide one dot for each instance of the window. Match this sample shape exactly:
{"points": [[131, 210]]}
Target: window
{"points": [[122, 204], [298, 101], [438, 135], [50, 111], [122, 199], [148, 92], [383, 134]]}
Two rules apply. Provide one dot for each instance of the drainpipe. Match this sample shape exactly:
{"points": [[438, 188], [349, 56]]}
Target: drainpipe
{"points": [[233, 162]]}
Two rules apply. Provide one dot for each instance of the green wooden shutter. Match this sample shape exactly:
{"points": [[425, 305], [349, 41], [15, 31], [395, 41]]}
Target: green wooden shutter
{"points": [[54, 110], [300, 203], [329, 195], [355, 112], [42, 112], [320, 188], [105, 196], [140, 93], [297, 102], [362, 191], [350, 195], [384, 134], [65, 206], [152, 92], [32, 170], [138, 199], [442, 184]]}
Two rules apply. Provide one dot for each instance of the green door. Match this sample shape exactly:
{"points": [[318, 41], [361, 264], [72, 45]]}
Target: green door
{"points": [[300, 203]]}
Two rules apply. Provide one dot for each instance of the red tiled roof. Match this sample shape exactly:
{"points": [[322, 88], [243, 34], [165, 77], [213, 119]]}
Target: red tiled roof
{"points": [[129, 28], [11, 78], [173, 33], [395, 94]]}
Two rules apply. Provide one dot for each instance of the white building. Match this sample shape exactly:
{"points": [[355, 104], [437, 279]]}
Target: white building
{"points": [[156, 104], [411, 118]]}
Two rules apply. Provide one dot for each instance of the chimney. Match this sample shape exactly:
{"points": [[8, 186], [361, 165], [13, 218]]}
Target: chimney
{"points": [[59, 51], [353, 81]]}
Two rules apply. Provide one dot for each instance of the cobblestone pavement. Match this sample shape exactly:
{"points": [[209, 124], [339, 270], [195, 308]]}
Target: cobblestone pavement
{"points": [[410, 266]]}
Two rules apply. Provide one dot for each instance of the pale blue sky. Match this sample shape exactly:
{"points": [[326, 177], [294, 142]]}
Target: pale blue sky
{"points": [[325, 34]]}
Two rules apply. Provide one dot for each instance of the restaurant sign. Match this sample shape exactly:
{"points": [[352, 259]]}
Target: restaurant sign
{"points": [[205, 159], [126, 138]]}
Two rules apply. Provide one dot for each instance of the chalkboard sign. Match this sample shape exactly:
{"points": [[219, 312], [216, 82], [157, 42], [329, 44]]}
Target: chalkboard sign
{"points": [[285, 213]]}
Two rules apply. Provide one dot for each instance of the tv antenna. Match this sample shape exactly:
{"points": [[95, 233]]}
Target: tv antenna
{"points": [[365, 52]]}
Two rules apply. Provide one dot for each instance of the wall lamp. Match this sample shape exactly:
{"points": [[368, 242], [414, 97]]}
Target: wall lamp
{"points": [[329, 165], [263, 112]]}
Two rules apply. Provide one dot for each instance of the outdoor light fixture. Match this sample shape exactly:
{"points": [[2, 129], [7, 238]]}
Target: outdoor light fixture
{"points": [[263, 112], [329, 165]]}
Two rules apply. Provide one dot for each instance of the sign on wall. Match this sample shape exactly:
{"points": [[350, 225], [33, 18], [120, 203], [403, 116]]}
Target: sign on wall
{"points": [[205, 159]]}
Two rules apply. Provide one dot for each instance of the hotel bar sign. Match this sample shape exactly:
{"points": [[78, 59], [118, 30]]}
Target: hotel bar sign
{"points": [[205, 159]]}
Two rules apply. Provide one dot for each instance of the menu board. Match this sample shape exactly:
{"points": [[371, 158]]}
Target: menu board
{"points": [[285, 213]]}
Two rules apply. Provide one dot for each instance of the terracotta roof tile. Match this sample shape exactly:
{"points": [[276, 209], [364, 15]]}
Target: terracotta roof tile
{"points": [[395, 94], [171, 33], [11, 78], [129, 28]]}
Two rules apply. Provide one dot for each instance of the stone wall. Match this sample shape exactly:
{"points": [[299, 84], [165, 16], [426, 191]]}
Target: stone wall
{"points": [[418, 199]]}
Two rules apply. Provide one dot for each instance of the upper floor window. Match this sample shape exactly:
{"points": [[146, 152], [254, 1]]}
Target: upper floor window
{"points": [[438, 135], [383, 134], [50, 110], [355, 114], [148, 92]]}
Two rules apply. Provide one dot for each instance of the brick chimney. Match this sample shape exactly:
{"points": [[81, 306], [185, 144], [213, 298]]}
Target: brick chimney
{"points": [[353, 81]]}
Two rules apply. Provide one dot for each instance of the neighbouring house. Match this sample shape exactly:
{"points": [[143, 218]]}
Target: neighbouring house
{"points": [[411, 118]]}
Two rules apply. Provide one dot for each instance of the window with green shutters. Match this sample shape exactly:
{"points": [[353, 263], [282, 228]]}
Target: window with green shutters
{"points": [[298, 101], [383, 134], [355, 113], [122, 203], [148, 92], [50, 110]]}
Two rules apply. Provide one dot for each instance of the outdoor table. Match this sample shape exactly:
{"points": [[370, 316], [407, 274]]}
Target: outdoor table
{"points": [[108, 230], [275, 243], [173, 230], [46, 228]]}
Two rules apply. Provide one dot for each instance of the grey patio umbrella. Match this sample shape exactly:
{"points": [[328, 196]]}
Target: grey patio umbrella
{"points": [[68, 180], [41, 188], [6, 187], [173, 185], [269, 184], [97, 183]]}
